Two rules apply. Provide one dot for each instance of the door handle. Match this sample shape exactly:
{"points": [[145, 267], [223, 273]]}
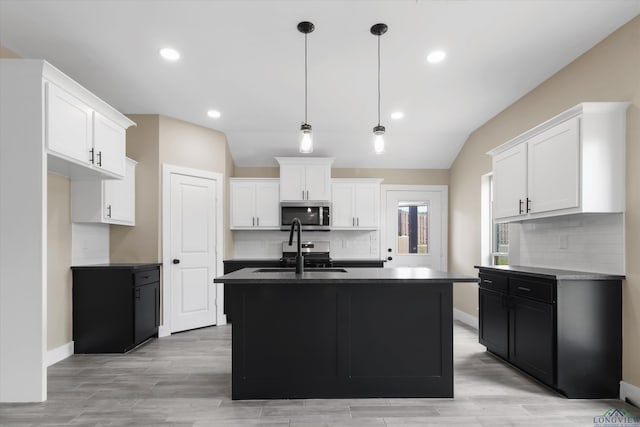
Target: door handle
{"points": [[253, 220], [109, 211], [358, 222], [528, 205], [353, 222], [302, 194], [100, 158], [519, 206], [389, 258], [258, 221], [176, 261], [91, 159]]}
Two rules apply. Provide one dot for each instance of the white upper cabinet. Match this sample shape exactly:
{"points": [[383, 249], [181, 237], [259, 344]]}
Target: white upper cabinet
{"points": [[355, 203], [109, 145], [305, 178], [110, 201], [255, 203], [573, 163], [68, 125], [84, 137]]}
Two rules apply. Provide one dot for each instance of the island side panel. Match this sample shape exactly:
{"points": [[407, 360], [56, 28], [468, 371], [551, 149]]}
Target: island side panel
{"points": [[339, 340], [397, 340]]}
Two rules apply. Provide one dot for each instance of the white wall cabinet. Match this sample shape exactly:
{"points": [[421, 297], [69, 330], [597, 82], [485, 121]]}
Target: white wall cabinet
{"points": [[76, 132], [355, 204], [255, 203], [305, 178], [573, 163], [110, 201]]}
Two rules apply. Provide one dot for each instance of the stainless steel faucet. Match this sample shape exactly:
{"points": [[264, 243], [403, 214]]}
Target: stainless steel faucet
{"points": [[299, 258]]}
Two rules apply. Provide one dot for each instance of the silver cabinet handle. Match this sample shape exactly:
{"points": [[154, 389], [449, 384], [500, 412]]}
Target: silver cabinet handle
{"points": [[91, 159], [522, 288], [302, 194], [358, 222], [100, 158], [353, 222], [258, 221], [253, 220], [488, 281], [109, 211]]}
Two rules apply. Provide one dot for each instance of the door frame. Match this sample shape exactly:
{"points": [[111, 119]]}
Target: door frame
{"points": [[167, 170], [444, 192]]}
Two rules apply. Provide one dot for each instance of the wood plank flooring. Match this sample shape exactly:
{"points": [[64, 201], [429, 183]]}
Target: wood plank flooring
{"points": [[185, 380]]}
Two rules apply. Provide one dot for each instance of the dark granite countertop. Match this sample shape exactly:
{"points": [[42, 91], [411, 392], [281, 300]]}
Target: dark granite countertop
{"points": [[116, 265], [551, 272], [350, 275]]}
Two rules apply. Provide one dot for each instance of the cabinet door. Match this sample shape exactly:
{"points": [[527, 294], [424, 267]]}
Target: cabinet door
{"points": [[554, 168], [532, 337], [68, 125], [342, 208], [367, 205], [119, 206], [109, 142], [493, 329], [242, 204], [292, 182], [510, 182], [267, 204], [318, 182], [146, 311]]}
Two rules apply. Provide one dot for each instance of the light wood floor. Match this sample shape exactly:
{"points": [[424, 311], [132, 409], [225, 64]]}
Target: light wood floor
{"points": [[185, 380]]}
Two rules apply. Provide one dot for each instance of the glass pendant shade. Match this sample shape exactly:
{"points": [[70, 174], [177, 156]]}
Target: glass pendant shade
{"points": [[306, 139], [378, 139]]}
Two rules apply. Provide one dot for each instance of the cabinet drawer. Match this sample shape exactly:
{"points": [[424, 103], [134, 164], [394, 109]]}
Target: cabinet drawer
{"points": [[146, 276], [495, 282], [538, 289]]}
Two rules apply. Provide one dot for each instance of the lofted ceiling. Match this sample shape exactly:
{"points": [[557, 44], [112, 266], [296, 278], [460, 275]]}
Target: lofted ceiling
{"points": [[246, 59]]}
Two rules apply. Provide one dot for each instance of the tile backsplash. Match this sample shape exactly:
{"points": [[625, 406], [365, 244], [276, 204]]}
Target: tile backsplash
{"points": [[586, 242], [344, 244]]}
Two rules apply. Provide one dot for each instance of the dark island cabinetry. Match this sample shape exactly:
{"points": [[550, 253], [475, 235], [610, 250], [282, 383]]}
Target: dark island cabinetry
{"points": [[115, 306], [562, 327]]}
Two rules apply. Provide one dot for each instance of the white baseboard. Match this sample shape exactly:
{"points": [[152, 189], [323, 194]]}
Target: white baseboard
{"points": [[59, 353], [630, 391], [164, 331], [465, 318]]}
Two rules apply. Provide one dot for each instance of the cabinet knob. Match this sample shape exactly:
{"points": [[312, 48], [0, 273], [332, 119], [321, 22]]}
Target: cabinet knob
{"points": [[176, 261]]}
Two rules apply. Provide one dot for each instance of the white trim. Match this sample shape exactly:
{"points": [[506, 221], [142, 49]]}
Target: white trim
{"points": [[486, 221], [167, 169], [630, 391], [444, 189], [465, 318], [59, 353]]}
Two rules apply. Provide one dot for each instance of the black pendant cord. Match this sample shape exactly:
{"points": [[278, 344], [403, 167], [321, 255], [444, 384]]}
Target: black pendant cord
{"points": [[305, 78], [378, 80]]}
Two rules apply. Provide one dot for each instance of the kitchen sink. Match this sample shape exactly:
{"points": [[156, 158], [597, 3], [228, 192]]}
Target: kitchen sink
{"points": [[284, 270]]}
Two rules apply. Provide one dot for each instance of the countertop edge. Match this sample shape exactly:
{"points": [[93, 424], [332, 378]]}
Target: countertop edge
{"points": [[552, 273]]}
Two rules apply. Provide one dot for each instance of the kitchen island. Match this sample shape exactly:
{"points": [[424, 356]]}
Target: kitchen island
{"points": [[338, 333]]}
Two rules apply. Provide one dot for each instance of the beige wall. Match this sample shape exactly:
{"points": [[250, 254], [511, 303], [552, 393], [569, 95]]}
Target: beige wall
{"points": [[59, 302], [608, 72], [390, 176], [7, 53], [141, 243]]}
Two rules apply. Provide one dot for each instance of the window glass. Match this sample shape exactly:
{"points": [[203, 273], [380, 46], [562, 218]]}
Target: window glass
{"points": [[499, 239], [413, 228]]}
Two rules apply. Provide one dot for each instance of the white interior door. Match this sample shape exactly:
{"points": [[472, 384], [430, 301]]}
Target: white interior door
{"points": [[193, 252], [415, 228]]}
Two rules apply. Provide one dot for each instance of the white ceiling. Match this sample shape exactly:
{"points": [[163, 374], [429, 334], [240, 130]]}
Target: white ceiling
{"points": [[246, 59]]}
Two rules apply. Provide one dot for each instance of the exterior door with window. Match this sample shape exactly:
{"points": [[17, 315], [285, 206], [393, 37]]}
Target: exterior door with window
{"points": [[414, 229]]}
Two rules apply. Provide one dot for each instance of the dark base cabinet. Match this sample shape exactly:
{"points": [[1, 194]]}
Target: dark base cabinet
{"points": [[115, 306], [339, 340], [562, 327]]}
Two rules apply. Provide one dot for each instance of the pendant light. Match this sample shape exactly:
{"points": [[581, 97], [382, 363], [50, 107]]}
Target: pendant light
{"points": [[306, 138], [378, 131]]}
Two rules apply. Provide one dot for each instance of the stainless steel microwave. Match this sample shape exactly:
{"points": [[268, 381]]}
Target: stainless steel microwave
{"points": [[313, 215]]}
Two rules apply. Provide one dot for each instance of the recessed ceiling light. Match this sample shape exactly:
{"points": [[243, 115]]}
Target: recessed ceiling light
{"points": [[214, 114], [397, 115], [436, 56], [169, 54]]}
